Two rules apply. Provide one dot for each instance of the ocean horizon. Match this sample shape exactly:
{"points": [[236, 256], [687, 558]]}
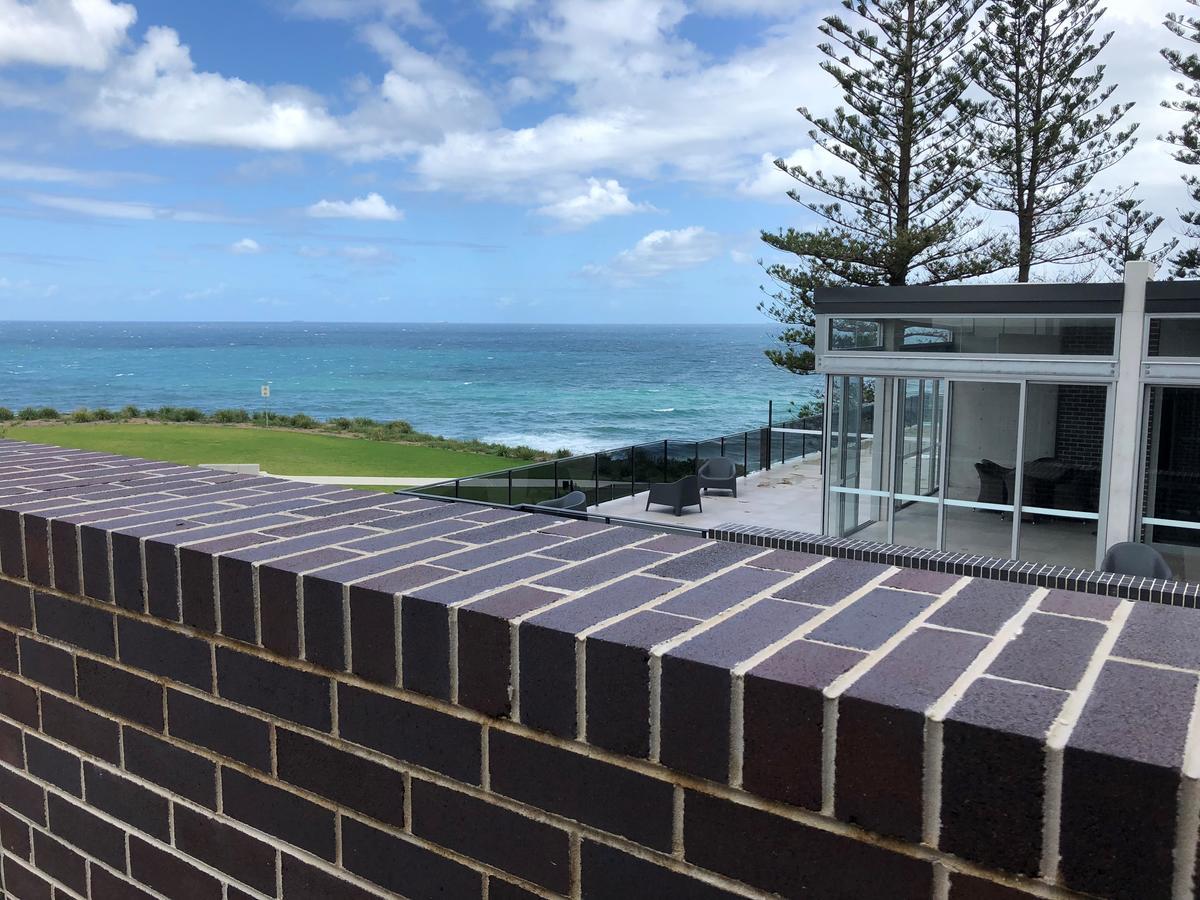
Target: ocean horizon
{"points": [[582, 387]]}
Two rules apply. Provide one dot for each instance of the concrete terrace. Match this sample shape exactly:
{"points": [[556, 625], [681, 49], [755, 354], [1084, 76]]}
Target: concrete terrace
{"points": [[267, 684]]}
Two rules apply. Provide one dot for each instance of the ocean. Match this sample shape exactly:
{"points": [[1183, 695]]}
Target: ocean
{"points": [[582, 387]]}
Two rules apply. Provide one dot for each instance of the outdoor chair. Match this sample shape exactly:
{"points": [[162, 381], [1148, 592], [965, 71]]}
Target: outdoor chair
{"points": [[677, 494], [576, 500], [993, 482], [719, 473], [1136, 559]]}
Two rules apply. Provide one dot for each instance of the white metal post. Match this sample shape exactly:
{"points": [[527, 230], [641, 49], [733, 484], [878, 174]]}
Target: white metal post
{"points": [[1126, 435]]}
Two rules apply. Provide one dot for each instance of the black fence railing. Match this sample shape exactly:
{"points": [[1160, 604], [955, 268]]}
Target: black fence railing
{"points": [[625, 471]]}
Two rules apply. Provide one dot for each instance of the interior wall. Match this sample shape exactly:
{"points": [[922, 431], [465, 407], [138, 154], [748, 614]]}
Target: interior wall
{"points": [[983, 425]]}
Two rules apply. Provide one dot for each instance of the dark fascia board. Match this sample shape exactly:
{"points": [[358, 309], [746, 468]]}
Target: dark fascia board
{"points": [[972, 299], [1172, 296]]}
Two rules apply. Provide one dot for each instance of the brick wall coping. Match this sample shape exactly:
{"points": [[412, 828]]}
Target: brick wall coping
{"points": [[1047, 575], [1040, 739]]}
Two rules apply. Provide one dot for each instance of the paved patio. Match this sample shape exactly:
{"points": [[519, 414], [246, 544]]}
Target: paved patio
{"points": [[786, 496]]}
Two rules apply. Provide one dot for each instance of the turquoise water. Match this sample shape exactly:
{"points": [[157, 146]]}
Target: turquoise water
{"points": [[584, 387]]}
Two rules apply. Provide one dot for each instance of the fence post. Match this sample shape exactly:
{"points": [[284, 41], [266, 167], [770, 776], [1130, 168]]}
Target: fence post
{"points": [[555, 470], [770, 429], [632, 471], [455, 488], [510, 487], [746, 451], [666, 454]]}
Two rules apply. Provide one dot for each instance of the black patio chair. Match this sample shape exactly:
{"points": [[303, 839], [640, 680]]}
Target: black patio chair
{"points": [[719, 473], [1128, 558], [677, 494], [993, 482], [576, 500]]}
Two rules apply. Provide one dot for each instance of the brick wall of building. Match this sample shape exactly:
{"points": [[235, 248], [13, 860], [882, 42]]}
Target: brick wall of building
{"points": [[217, 686]]}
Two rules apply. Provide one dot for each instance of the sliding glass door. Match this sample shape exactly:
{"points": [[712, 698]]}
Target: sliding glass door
{"points": [[941, 463], [1171, 483]]}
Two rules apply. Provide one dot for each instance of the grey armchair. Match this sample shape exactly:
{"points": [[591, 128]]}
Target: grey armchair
{"points": [[576, 500], [677, 494], [1136, 559], [720, 473]]}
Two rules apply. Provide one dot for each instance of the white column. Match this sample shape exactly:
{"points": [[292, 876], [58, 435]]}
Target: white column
{"points": [[1126, 447]]}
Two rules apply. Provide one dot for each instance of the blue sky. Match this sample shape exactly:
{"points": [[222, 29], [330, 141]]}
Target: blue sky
{"points": [[420, 160]]}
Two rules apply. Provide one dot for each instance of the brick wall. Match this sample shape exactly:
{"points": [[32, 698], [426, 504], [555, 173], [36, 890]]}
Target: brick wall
{"points": [[1079, 435], [217, 686]]}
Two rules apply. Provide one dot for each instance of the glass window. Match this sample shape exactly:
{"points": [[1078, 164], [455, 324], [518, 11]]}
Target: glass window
{"points": [[1061, 468], [982, 335], [918, 455], [1174, 337], [857, 450], [981, 467], [1171, 488]]}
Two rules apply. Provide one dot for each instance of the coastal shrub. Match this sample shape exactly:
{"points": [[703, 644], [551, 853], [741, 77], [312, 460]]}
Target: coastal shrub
{"points": [[176, 414], [103, 415], [341, 423], [300, 420], [400, 427], [27, 414], [230, 416], [81, 415], [31, 413], [6, 414], [129, 412]]}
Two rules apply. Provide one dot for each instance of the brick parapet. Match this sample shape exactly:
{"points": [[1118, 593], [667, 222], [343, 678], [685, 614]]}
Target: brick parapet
{"points": [[216, 685]]}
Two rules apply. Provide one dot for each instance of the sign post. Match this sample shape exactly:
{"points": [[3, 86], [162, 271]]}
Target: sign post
{"points": [[266, 394]]}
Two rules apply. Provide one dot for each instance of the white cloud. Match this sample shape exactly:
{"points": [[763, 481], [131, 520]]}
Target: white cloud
{"points": [[245, 247], [371, 207], [204, 293], [660, 252], [156, 94], [73, 33], [368, 253], [15, 171], [406, 10], [119, 209], [600, 200]]}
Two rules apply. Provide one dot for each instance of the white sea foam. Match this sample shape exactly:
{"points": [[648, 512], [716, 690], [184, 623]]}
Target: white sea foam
{"points": [[666, 409]]}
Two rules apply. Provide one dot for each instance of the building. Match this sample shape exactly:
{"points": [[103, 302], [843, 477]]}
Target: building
{"points": [[1041, 422]]}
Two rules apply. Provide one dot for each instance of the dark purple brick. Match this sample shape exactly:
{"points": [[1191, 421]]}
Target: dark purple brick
{"points": [[410, 733], [1161, 634], [983, 605], [578, 787], [720, 593], [47, 665], [617, 660], [277, 812], [88, 832], [128, 590], [37, 549], [1124, 754], [827, 585], [81, 728], [324, 622], [18, 701], [162, 577], [1050, 651], [197, 605], [97, 571], [121, 693], [425, 633], [697, 680], [60, 862], [786, 561], [224, 847], [784, 718], [968, 887], [65, 545], [484, 647], [501, 550], [14, 835], [610, 874], [594, 544], [404, 868], [169, 874], [128, 801], [547, 649], [519, 524], [303, 880], [705, 561], [348, 780], [922, 580], [75, 623], [597, 571], [881, 730], [993, 773], [179, 771], [24, 883], [11, 749], [871, 619], [373, 635], [227, 731], [1073, 603], [493, 835], [22, 796], [106, 886], [455, 590], [291, 694], [57, 766], [161, 651], [12, 550], [16, 604], [793, 859], [235, 580], [674, 543]]}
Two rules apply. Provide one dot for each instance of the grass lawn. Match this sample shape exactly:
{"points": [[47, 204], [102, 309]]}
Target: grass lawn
{"points": [[278, 452]]}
